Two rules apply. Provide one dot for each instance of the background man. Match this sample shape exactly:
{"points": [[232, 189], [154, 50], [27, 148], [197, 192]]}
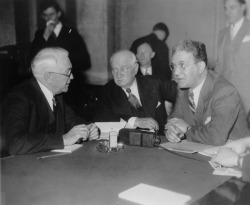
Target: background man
{"points": [[35, 115], [157, 41], [138, 100], [234, 154], [234, 49], [56, 34], [208, 108]]}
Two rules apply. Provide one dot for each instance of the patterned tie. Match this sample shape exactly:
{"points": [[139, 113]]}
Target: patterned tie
{"points": [[191, 101], [133, 99]]}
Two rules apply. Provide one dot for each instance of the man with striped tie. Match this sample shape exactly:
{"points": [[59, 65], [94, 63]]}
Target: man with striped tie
{"points": [[208, 108]]}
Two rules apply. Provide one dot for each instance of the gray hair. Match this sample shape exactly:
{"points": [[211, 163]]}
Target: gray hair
{"points": [[131, 56], [45, 60]]}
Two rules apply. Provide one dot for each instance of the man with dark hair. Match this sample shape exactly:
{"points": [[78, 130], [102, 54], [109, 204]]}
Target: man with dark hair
{"points": [[208, 108], [56, 34], [157, 41], [36, 118], [233, 61]]}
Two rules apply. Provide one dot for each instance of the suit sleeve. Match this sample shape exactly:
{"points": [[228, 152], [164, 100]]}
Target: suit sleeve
{"points": [[17, 121], [225, 110], [246, 168]]}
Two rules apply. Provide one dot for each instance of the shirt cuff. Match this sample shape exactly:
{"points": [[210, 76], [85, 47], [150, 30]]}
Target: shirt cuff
{"points": [[131, 122]]}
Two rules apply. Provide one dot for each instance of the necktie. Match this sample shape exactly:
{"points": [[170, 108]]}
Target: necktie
{"points": [[191, 101], [54, 106], [132, 99]]}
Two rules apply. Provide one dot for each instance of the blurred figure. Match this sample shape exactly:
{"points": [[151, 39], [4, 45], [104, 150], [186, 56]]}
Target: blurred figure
{"points": [[36, 118], [157, 40], [56, 34], [233, 61], [208, 108], [236, 154], [135, 99]]}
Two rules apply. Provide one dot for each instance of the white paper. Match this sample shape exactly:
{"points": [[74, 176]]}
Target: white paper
{"points": [[228, 172], [186, 146], [150, 195], [68, 149]]}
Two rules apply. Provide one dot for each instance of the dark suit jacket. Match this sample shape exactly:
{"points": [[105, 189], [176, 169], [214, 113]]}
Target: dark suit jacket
{"points": [[71, 41], [113, 103], [246, 168], [219, 115], [27, 116], [161, 58]]}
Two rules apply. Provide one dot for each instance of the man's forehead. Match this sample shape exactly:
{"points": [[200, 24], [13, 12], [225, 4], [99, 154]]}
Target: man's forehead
{"points": [[182, 56], [144, 46]]}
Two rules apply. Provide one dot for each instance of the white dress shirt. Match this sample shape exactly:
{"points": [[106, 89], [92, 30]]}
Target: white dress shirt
{"points": [[58, 28], [48, 94], [146, 71], [235, 28]]}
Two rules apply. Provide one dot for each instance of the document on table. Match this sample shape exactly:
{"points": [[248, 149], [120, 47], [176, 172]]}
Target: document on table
{"points": [[68, 149], [151, 195], [106, 127], [186, 146]]}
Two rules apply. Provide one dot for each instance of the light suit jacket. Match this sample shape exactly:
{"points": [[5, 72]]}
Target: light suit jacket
{"points": [[219, 114], [233, 61]]}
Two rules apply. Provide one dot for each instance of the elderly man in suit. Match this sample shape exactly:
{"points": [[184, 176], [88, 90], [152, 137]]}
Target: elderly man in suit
{"points": [[233, 60], [138, 100], [35, 115], [208, 108], [236, 153]]}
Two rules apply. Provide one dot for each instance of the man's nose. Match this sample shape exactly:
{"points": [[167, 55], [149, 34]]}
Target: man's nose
{"points": [[71, 76]]}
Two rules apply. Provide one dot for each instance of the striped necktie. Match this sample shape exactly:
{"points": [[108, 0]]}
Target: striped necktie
{"points": [[54, 106], [191, 101], [133, 99]]}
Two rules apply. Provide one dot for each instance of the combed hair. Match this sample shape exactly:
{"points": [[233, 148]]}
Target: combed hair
{"points": [[40, 63], [197, 48], [130, 54]]}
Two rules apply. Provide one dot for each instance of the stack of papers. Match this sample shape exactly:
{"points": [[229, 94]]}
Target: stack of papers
{"points": [[68, 149], [224, 171], [187, 147], [150, 195], [106, 127]]}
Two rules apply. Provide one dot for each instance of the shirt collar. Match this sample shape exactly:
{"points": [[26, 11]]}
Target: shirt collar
{"points": [[58, 28], [48, 94]]}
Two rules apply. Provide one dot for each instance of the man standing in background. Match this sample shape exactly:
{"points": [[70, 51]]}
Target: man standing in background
{"points": [[56, 34], [233, 61], [157, 41]]}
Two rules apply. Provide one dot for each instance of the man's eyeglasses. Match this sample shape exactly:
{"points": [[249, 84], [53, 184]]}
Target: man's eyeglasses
{"points": [[182, 66], [67, 75]]}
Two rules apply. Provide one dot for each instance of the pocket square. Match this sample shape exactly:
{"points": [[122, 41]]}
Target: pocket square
{"points": [[207, 120], [159, 103], [246, 39]]}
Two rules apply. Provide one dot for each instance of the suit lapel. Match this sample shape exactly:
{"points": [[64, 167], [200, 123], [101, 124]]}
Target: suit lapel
{"points": [[204, 96], [121, 99], [240, 35], [41, 102], [147, 96]]}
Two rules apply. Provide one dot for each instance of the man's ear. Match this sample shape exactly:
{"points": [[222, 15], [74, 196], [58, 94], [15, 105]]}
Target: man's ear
{"points": [[136, 67], [47, 77], [59, 13], [202, 66], [153, 54]]}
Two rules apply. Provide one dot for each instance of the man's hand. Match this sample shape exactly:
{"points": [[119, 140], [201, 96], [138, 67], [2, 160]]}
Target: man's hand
{"points": [[48, 30], [226, 157], [179, 123], [240, 146], [173, 133], [93, 131], [148, 123], [76, 133]]}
